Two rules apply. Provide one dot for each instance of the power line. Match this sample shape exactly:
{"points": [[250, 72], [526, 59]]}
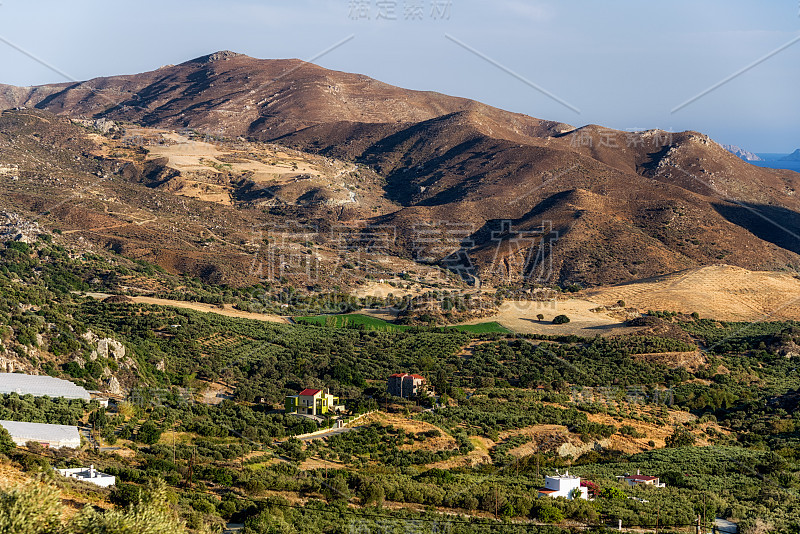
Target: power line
{"points": [[449, 519]]}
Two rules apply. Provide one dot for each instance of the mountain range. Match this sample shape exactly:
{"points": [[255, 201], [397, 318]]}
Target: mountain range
{"points": [[742, 153], [490, 194], [794, 156]]}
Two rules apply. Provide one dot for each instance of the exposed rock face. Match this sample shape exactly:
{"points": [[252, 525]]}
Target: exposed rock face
{"points": [[113, 386], [571, 449], [7, 365], [741, 153], [15, 228], [104, 125], [108, 347]]}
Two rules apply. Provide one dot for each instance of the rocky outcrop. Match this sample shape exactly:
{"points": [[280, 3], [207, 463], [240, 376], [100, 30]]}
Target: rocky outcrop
{"points": [[741, 153], [575, 450], [15, 228], [108, 347], [113, 386]]}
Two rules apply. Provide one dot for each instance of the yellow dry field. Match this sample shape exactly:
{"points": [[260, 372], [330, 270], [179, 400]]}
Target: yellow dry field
{"points": [[227, 311], [479, 455], [520, 316], [192, 156], [443, 442], [719, 292]]}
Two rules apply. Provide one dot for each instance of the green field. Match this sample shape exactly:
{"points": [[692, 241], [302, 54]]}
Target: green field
{"points": [[373, 323], [482, 328], [350, 320]]}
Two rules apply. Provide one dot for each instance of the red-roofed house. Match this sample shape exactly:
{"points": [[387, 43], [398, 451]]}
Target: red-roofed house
{"points": [[406, 385], [312, 402], [640, 479]]}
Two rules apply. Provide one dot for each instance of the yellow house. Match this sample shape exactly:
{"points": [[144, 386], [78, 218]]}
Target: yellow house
{"points": [[312, 402]]}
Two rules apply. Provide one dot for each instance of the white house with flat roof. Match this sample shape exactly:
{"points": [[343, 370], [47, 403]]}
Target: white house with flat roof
{"points": [[41, 386], [52, 436], [563, 486], [89, 474]]}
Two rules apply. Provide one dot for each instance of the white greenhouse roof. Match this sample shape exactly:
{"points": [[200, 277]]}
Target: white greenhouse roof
{"points": [[41, 432], [41, 385]]}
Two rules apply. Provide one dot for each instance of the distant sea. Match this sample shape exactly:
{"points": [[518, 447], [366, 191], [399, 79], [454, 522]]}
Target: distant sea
{"points": [[772, 161]]}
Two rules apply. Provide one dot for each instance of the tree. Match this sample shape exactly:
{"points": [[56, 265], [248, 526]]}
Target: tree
{"points": [[539, 317], [547, 513], [149, 433], [612, 493], [560, 319], [6, 443], [98, 419], [680, 438]]}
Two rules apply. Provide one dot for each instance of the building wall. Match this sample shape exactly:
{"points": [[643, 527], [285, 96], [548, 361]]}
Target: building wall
{"points": [[564, 486]]}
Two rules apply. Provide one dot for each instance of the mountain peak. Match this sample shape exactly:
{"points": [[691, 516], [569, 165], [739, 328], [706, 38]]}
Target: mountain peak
{"points": [[222, 55]]}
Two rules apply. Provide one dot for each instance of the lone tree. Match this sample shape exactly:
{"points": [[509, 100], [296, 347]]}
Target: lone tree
{"points": [[6, 443], [680, 438], [539, 317], [560, 319]]}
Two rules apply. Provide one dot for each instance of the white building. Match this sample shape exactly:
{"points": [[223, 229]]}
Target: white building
{"points": [[52, 436], [563, 486], [641, 480], [41, 386], [89, 474]]}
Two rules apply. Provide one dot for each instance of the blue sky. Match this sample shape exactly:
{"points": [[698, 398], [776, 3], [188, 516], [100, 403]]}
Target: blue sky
{"points": [[623, 64]]}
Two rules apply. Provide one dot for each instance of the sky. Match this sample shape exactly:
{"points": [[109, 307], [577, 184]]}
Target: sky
{"points": [[729, 69]]}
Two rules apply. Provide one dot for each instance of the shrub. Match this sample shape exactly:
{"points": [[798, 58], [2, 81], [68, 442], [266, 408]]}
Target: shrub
{"points": [[6, 443], [32, 509]]}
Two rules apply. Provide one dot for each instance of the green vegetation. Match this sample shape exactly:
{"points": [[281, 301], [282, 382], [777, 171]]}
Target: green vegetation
{"points": [[235, 461], [36, 509], [352, 320], [482, 328], [359, 321]]}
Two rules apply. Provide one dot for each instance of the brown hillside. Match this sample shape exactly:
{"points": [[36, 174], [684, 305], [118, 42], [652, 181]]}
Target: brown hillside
{"points": [[609, 206]]}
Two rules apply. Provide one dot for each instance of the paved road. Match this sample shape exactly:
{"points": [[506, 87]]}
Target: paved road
{"points": [[331, 432]]}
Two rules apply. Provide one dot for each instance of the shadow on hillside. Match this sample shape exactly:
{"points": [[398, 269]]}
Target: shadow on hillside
{"points": [[775, 224], [529, 237]]}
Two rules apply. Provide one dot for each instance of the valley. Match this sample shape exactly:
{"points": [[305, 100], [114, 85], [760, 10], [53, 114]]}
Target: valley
{"points": [[303, 300]]}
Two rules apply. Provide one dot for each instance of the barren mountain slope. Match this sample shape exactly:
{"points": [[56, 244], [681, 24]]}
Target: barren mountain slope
{"points": [[471, 186]]}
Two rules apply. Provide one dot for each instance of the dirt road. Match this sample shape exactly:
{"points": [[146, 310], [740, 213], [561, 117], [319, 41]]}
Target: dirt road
{"points": [[227, 311]]}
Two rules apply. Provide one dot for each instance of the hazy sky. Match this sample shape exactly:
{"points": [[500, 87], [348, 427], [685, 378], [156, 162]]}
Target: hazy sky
{"points": [[622, 64]]}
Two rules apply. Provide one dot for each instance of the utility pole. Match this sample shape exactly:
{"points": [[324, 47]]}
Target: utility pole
{"points": [[658, 516], [704, 510], [191, 468]]}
